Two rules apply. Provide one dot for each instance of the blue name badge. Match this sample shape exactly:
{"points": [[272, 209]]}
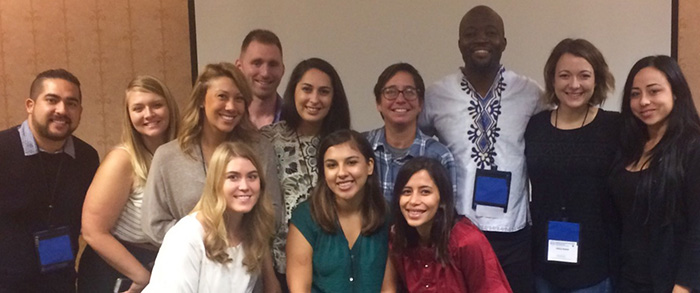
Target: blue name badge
{"points": [[491, 188], [54, 249], [563, 241]]}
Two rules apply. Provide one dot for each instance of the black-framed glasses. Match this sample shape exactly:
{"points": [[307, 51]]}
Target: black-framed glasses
{"points": [[391, 93]]}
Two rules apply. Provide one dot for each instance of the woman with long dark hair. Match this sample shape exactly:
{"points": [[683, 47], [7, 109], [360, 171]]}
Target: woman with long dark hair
{"points": [[338, 238], [656, 191], [314, 105], [431, 245]]}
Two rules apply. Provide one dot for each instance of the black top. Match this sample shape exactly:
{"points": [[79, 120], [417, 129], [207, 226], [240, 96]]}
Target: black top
{"points": [[568, 171], [26, 185], [664, 254], [634, 246]]}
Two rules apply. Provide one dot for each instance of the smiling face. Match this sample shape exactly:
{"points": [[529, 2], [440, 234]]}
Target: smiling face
{"points": [[651, 97], [400, 111], [574, 81], [241, 185], [55, 113], [313, 96], [262, 66], [346, 171], [419, 201], [481, 39], [148, 112], [224, 105]]}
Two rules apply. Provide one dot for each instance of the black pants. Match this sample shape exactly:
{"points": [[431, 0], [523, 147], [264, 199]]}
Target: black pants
{"points": [[61, 281], [514, 252], [95, 275]]}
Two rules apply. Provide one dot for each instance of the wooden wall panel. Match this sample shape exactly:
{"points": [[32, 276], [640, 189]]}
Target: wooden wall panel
{"points": [[689, 44], [105, 43]]}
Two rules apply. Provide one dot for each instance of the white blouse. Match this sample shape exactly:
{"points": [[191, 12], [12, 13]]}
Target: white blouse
{"points": [[182, 264]]}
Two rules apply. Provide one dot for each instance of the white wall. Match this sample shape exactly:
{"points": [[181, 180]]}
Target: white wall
{"points": [[361, 38]]}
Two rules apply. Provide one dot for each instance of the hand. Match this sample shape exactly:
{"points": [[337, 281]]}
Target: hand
{"points": [[680, 289], [135, 288]]}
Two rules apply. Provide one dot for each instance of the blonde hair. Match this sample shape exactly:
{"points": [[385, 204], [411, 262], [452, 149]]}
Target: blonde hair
{"points": [[192, 121], [257, 226], [132, 139]]}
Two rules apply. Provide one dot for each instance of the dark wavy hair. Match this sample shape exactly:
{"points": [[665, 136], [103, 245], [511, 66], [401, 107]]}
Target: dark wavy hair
{"points": [[323, 206], [338, 115], [662, 185], [604, 80], [405, 236]]}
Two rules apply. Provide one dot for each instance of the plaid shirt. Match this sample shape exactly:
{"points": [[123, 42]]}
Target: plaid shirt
{"points": [[423, 146]]}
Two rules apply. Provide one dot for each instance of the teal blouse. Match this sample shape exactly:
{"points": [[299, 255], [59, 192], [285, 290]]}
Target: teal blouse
{"points": [[337, 268]]}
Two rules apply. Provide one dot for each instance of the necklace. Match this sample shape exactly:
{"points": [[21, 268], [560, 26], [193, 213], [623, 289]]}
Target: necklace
{"points": [[556, 117]]}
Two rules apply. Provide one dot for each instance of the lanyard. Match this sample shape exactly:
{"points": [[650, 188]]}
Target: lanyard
{"points": [[47, 181]]}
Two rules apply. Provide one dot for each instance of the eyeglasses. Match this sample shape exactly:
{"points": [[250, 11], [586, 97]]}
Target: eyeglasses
{"points": [[391, 93]]}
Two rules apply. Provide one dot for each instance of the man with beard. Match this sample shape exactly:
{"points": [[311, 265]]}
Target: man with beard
{"points": [[261, 63], [44, 175], [480, 114]]}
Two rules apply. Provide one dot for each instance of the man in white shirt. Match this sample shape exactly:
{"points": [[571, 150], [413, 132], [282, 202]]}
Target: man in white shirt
{"points": [[480, 114]]}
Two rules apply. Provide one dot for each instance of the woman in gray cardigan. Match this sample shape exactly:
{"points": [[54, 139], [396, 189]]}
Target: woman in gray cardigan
{"points": [[216, 112]]}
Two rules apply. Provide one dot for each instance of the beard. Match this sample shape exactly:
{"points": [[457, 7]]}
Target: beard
{"points": [[44, 130]]}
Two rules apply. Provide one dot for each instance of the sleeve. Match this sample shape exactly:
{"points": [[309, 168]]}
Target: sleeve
{"points": [[156, 217], [425, 119], [272, 182], [301, 218], [479, 265], [177, 266], [448, 161], [689, 260]]}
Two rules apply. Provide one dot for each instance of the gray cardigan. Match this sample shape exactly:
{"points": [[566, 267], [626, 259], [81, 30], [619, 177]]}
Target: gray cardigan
{"points": [[175, 183]]}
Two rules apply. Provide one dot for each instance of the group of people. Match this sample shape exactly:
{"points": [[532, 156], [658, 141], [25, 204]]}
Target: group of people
{"points": [[482, 182]]}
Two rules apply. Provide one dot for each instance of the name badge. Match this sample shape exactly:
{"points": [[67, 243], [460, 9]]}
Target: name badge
{"points": [[491, 190], [53, 247], [563, 238]]}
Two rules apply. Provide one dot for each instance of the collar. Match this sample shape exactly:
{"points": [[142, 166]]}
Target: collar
{"points": [[31, 148], [413, 150], [494, 83]]}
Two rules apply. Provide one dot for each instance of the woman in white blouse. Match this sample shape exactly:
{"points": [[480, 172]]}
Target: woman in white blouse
{"points": [[224, 244]]}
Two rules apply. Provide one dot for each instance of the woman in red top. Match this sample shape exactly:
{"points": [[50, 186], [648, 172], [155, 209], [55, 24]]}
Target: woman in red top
{"points": [[432, 248]]}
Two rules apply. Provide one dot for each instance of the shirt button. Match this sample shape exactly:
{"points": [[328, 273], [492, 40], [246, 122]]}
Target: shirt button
{"points": [[426, 266], [51, 206], [351, 279], [426, 285], [563, 208]]}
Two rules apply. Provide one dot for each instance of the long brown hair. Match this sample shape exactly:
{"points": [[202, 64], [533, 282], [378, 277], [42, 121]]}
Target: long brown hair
{"points": [[193, 118], [323, 204]]}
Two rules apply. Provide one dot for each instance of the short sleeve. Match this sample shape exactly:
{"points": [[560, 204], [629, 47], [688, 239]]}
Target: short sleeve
{"points": [[301, 218]]}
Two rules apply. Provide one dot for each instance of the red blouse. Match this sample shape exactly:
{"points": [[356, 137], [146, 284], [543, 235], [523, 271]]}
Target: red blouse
{"points": [[473, 266]]}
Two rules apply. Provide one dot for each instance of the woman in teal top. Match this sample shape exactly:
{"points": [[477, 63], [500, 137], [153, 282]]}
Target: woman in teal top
{"points": [[338, 239]]}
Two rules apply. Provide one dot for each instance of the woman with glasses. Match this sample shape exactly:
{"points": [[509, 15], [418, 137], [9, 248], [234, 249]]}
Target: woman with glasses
{"points": [[314, 106], [399, 95]]}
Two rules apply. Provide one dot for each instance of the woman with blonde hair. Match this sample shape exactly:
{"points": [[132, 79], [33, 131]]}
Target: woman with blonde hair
{"points": [[216, 112], [224, 244], [117, 246]]}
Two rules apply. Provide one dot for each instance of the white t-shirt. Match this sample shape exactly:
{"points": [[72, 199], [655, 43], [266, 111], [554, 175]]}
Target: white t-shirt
{"points": [[182, 264]]}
